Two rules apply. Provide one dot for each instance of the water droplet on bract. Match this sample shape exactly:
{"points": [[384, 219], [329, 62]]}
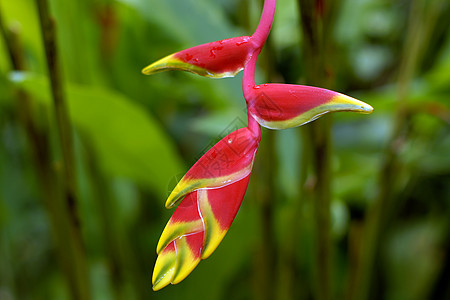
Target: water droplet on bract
{"points": [[214, 50]]}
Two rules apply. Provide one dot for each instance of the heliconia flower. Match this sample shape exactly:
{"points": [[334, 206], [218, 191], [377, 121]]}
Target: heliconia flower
{"points": [[229, 160], [213, 190], [224, 58], [195, 230], [281, 106]]}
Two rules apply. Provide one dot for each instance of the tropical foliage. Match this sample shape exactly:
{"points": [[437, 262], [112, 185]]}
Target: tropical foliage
{"points": [[349, 206]]}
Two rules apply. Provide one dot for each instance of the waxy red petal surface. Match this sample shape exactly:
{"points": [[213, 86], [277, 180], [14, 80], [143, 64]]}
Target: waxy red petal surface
{"points": [[231, 154], [279, 102], [226, 201], [221, 56]]}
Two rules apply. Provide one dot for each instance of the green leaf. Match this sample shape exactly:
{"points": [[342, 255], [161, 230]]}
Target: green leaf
{"points": [[190, 21], [22, 17], [127, 140]]}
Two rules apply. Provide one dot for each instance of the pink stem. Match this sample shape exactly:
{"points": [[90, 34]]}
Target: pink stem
{"points": [[253, 126], [265, 23], [259, 38], [248, 84], [248, 79]]}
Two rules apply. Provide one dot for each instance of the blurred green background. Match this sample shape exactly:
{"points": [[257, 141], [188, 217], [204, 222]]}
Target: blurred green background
{"points": [[135, 136]]}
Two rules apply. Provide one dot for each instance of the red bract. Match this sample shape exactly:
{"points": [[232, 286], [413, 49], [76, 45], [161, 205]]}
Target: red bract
{"points": [[280, 106], [229, 160], [224, 58]]}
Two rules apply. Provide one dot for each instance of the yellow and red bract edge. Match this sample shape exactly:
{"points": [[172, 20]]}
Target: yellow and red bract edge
{"points": [[281, 106], [194, 231], [229, 160]]}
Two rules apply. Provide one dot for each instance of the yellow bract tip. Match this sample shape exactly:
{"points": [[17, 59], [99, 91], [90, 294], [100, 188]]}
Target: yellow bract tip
{"points": [[173, 63], [182, 188], [166, 63], [164, 270], [342, 102]]}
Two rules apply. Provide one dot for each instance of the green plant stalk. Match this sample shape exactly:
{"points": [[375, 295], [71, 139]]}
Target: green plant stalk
{"points": [[321, 143], [289, 262], [420, 26], [39, 145], [79, 278], [12, 45], [122, 265], [60, 105], [111, 234], [316, 20], [286, 251], [266, 258]]}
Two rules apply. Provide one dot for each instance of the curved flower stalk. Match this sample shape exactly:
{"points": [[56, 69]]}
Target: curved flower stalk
{"points": [[281, 106], [213, 190]]}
